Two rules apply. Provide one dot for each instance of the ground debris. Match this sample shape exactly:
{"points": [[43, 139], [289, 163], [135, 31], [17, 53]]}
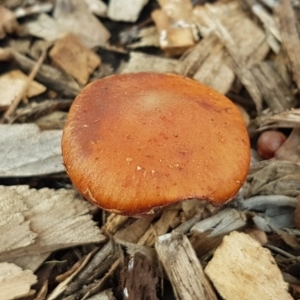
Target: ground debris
{"points": [[60, 247]]}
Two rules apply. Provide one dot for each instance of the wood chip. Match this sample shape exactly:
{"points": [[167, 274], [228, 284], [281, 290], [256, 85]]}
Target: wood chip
{"points": [[290, 36], [183, 268], [67, 51], [15, 282], [175, 26], [29, 220], [128, 11], [246, 43], [242, 269], [274, 90], [207, 63], [40, 151], [72, 18], [161, 227], [140, 62], [287, 119], [273, 178], [17, 79]]}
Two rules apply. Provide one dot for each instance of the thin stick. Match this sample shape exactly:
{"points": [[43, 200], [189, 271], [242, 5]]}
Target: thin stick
{"points": [[22, 94]]}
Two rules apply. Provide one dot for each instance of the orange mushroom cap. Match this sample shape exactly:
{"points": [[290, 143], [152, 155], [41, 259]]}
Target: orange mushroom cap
{"points": [[135, 142]]}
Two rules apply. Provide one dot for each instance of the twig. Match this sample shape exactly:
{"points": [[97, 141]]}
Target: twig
{"points": [[21, 95]]}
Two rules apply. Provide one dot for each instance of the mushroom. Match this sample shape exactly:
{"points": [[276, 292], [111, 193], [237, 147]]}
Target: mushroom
{"points": [[268, 142], [136, 142]]}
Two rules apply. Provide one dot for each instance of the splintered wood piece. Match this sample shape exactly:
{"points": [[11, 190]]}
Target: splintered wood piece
{"points": [[76, 18], [274, 177], [290, 36], [40, 151], [272, 32], [136, 230], [41, 209], [15, 282], [140, 62], [162, 226], [183, 268], [223, 222], [96, 267], [114, 222], [126, 11], [246, 43], [242, 269], [287, 119], [206, 63], [275, 92], [17, 80], [67, 51]]}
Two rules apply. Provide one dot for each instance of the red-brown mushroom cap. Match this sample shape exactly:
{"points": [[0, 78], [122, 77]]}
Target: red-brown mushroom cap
{"points": [[135, 142]]}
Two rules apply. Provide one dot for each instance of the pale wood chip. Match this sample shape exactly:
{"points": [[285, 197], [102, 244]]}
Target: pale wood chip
{"points": [[127, 11], [15, 282], [72, 18], [97, 7], [287, 119], [57, 219], [206, 63], [290, 36], [242, 269], [28, 262], [140, 62], [183, 268], [274, 90], [40, 151], [246, 43]]}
